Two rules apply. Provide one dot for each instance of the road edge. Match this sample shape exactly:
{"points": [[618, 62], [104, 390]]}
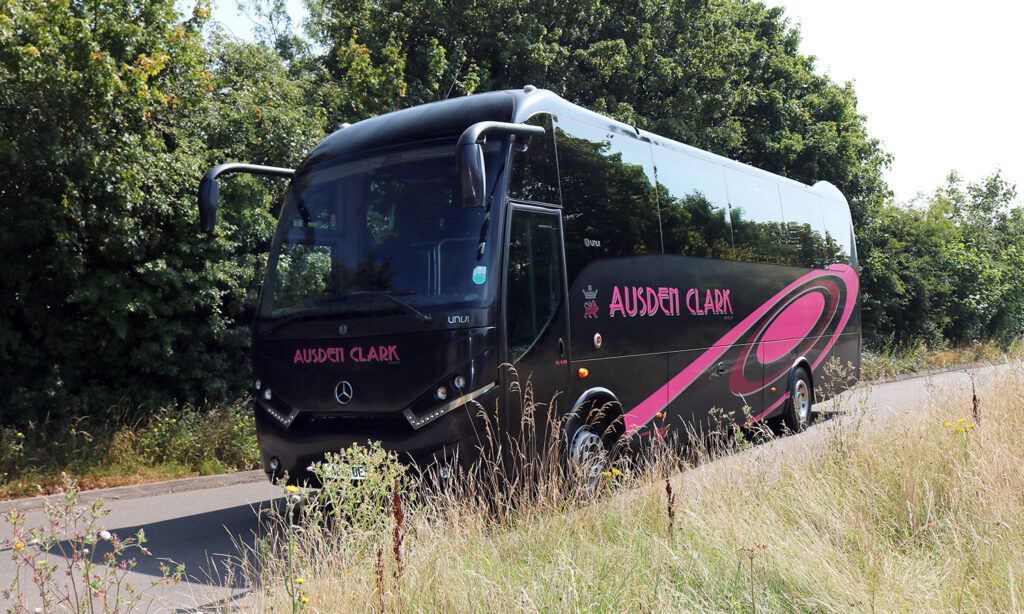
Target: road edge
{"points": [[135, 491]]}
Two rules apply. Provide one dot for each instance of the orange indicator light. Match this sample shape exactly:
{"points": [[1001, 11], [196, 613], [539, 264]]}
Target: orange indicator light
{"points": [[583, 372], [773, 388], [659, 415]]}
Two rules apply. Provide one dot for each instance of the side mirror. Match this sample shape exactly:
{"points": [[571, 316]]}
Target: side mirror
{"points": [[469, 165], [209, 192], [209, 188], [469, 158]]}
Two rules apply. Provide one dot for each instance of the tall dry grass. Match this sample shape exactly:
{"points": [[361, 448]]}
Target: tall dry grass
{"points": [[915, 516]]}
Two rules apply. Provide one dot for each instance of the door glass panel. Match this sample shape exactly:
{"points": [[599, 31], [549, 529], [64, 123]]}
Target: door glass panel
{"points": [[535, 284]]}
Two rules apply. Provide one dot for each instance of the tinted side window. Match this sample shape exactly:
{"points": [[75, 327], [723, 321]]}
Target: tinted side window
{"points": [[757, 229], [838, 232], [535, 171], [693, 205], [610, 208], [805, 226]]}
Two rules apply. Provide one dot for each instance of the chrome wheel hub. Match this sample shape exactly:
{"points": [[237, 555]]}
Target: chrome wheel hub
{"points": [[802, 400], [587, 457]]}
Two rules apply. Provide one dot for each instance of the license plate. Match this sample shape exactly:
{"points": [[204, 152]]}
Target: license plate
{"points": [[358, 473]]}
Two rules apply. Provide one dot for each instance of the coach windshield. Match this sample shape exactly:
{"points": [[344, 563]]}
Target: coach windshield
{"points": [[382, 234]]}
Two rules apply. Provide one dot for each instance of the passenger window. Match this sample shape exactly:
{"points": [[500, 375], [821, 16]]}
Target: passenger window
{"points": [[535, 171], [757, 230], [693, 205], [838, 233], [805, 226], [610, 208], [535, 285]]}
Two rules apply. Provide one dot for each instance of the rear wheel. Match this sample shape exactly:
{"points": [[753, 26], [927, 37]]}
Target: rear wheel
{"points": [[797, 412]]}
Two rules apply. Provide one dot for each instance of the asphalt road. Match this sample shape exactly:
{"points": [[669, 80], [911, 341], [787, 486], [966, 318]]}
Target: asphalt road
{"points": [[199, 522]]}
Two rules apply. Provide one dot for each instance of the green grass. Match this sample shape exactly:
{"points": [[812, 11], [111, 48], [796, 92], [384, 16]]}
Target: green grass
{"points": [[108, 450]]}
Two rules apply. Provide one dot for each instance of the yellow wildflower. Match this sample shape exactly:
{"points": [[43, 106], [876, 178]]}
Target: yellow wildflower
{"points": [[293, 488], [959, 419], [305, 599], [948, 425], [616, 472], [300, 580], [607, 474]]}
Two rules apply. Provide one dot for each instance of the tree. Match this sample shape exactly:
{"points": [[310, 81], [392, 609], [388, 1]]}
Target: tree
{"points": [[722, 75], [109, 114], [946, 271]]}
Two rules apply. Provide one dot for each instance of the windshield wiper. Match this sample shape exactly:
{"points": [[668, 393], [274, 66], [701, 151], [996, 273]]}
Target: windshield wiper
{"points": [[392, 296], [309, 314], [326, 312]]}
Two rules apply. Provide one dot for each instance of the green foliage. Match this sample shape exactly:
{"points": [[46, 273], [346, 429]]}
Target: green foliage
{"points": [[215, 441], [109, 115], [110, 449], [947, 271], [359, 504]]}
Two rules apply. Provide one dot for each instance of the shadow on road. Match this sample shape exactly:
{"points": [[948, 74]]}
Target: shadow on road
{"points": [[173, 542]]}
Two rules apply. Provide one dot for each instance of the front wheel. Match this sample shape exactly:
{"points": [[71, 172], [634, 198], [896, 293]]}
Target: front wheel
{"points": [[588, 457], [797, 412]]}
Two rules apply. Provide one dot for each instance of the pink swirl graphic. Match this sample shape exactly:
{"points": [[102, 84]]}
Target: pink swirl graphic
{"points": [[801, 318]]}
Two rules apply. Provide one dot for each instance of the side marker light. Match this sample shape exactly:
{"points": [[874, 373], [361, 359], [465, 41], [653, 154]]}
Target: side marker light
{"points": [[773, 388], [583, 372], [659, 415]]}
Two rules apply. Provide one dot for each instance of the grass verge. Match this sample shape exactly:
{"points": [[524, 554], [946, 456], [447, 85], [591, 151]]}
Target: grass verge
{"points": [[886, 363], [108, 450], [923, 515]]}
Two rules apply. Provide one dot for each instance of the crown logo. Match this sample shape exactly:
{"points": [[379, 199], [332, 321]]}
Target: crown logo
{"points": [[589, 293]]}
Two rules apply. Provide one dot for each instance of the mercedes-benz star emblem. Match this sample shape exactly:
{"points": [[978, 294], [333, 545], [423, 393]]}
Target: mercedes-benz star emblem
{"points": [[343, 392]]}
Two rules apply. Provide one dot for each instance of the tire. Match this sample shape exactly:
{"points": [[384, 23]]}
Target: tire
{"points": [[588, 458], [797, 411], [589, 451]]}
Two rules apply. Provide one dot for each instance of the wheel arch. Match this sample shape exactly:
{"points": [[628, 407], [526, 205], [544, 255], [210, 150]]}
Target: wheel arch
{"points": [[598, 394]]}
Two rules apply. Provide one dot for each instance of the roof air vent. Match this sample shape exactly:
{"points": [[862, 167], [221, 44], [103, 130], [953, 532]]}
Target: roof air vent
{"points": [[529, 88]]}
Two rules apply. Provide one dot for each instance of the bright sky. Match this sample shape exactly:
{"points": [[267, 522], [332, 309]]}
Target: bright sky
{"points": [[940, 82]]}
